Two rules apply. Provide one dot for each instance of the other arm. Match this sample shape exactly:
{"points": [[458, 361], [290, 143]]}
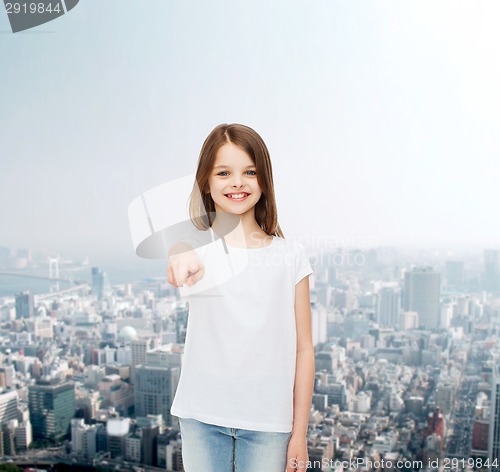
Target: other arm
{"points": [[297, 455]]}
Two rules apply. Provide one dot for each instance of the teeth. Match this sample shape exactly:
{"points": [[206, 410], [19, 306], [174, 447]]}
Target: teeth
{"points": [[236, 195]]}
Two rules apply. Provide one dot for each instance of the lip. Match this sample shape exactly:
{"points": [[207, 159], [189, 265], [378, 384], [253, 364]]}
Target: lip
{"points": [[237, 199]]}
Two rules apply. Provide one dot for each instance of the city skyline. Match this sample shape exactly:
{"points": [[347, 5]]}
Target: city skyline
{"points": [[402, 366]]}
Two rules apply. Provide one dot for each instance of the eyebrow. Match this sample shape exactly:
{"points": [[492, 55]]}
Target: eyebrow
{"points": [[228, 167]]}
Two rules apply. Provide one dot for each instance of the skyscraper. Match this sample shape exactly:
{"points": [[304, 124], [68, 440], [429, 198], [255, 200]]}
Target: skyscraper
{"points": [[51, 405], [25, 306], [421, 294], [156, 382], [388, 301], [100, 283], [97, 282]]}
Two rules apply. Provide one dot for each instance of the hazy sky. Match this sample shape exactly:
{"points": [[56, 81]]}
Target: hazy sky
{"points": [[381, 117]]}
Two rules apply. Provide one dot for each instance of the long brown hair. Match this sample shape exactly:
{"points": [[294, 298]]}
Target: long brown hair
{"points": [[201, 204]]}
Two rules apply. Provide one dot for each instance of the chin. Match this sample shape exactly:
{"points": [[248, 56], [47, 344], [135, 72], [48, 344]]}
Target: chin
{"points": [[233, 212]]}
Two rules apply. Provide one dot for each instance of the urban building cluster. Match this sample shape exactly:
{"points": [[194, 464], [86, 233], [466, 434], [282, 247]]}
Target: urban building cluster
{"points": [[406, 359]]}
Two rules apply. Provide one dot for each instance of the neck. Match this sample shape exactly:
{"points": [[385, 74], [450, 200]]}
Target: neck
{"points": [[236, 228]]}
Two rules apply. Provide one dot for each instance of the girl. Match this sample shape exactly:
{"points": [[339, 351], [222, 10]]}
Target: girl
{"points": [[246, 383]]}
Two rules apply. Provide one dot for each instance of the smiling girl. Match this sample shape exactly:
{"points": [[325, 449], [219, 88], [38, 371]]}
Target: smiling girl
{"points": [[246, 384]]}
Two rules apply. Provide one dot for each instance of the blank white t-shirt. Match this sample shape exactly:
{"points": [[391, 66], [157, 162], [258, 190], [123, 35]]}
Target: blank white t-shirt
{"points": [[239, 360]]}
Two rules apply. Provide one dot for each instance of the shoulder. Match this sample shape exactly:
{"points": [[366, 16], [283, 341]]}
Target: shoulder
{"points": [[291, 244], [291, 247]]}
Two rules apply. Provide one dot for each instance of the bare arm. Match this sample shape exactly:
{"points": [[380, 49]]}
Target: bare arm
{"points": [[304, 378]]}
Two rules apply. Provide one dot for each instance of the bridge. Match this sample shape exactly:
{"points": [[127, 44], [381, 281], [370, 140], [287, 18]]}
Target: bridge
{"points": [[42, 277], [77, 284]]}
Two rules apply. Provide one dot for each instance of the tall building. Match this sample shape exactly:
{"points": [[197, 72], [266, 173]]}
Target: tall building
{"points": [[181, 318], [8, 406], [51, 405], [491, 274], [388, 302], [162, 442], [7, 375], [117, 429], [139, 348], [480, 434], [8, 437], [25, 305], [436, 425], [494, 433], [97, 282], [149, 445], [100, 283], [156, 381], [154, 390], [133, 446], [422, 287], [24, 435], [167, 445], [83, 438]]}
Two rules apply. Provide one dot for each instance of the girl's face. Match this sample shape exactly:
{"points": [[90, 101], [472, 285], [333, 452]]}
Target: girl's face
{"points": [[233, 181]]}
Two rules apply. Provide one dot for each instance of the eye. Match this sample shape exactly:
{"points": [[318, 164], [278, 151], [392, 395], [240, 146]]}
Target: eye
{"points": [[251, 172], [222, 172]]}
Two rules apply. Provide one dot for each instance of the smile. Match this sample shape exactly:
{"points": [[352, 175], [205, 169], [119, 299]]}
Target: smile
{"points": [[237, 197]]}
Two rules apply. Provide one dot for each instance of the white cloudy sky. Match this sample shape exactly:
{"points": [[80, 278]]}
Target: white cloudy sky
{"points": [[381, 116]]}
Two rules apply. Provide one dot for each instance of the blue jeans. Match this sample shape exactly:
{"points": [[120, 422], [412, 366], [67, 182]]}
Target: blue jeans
{"points": [[211, 448]]}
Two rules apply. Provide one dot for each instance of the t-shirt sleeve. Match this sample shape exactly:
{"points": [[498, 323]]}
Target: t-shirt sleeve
{"points": [[302, 265]]}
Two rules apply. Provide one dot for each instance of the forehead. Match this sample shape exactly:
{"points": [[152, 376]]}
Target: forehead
{"points": [[230, 154]]}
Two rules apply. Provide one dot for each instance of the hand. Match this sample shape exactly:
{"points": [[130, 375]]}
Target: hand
{"points": [[297, 455], [185, 267]]}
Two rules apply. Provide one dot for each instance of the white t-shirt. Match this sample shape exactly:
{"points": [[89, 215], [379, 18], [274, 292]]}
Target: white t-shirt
{"points": [[240, 352]]}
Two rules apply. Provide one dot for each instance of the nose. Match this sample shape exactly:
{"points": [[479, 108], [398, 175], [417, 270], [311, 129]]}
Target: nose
{"points": [[236, 182]]}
